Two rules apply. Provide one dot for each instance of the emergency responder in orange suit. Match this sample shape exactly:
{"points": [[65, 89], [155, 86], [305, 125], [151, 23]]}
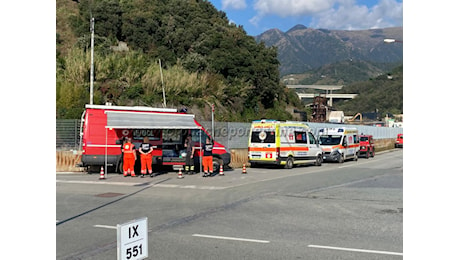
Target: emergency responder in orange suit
{"points": [[207, 158], [146, 157], [129, 157]]}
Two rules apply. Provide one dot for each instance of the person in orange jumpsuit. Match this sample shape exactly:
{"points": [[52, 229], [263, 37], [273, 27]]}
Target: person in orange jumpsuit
{"points": [[207, 158], [146, 150], [129, 158]]}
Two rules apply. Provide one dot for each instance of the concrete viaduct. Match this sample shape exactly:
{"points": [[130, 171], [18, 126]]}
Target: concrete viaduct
{"points": [[327, 88]]}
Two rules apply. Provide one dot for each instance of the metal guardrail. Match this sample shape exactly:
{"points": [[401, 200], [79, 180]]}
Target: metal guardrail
{"points": [[67, 134], [233, 135], [236, 135]]}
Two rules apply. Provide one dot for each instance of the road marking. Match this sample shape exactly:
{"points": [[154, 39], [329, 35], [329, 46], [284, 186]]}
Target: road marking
{"points": [[232, 238], [356, 250], [99, 182], [105, 226], [189, 187], [196, 187]]}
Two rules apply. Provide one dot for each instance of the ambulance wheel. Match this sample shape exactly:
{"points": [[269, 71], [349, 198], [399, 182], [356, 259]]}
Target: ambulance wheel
{"points": [[289, 163], [355, 158], [341, 159], [319, 160]]}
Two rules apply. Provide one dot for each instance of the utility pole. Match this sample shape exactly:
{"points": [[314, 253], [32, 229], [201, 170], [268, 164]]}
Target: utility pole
{"points": [[91, 77], [162, 84], [212, 120]]}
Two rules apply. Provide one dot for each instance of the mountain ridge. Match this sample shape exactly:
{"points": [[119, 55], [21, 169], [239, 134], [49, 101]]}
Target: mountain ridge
{"points": [[302, 48]]}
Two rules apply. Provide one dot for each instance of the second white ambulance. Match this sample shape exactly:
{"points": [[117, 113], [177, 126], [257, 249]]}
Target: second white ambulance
{"points": [[282, 143], [339, 144]]}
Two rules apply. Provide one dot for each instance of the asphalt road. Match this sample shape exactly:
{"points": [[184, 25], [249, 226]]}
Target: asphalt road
{"points": [[352, 210]]}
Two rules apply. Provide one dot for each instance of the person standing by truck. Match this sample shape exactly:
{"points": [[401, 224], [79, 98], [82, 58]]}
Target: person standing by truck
{"points": [[207, 157], [145, 150], [190, 149], [129, 158]]}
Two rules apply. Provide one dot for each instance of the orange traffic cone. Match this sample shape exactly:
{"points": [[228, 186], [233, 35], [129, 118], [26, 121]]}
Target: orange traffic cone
{"points": [[179, 175], [102, 175], [244, 169], [221, 171]]}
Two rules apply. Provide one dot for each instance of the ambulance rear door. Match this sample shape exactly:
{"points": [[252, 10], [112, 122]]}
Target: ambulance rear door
{"points": [[348, 144], [262, 143], [314, 149], [351, 144]]}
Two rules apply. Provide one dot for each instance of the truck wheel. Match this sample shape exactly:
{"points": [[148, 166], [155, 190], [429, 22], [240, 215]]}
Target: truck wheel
{"points": [[120, 167], [373, 153], [289, 163], [367, 154], [216, 165], [319, 160]]}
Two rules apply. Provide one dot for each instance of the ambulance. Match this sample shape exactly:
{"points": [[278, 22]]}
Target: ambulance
{"points": [[105, 127], [339, 144], [273, 142]]}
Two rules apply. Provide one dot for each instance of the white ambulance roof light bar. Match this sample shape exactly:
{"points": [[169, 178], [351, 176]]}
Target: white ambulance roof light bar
{"points": [[263, 121]]}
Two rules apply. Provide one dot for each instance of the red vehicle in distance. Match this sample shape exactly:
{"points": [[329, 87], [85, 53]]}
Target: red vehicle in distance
{"points": [[366, 146], [399, 141]]}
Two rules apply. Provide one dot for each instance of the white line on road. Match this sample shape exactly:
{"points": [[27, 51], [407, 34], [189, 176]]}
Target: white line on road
{"points": [[189, 187], [232, 238], [99, 182], [105, 226], [356, 250], [196, 187]]}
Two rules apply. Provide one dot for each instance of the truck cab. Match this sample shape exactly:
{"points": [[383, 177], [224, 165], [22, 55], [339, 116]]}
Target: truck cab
{"points": [[366, 144], [399, 141]]}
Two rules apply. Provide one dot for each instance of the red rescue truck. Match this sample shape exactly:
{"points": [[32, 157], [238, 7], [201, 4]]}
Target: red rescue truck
{"points": [[105, 127]]}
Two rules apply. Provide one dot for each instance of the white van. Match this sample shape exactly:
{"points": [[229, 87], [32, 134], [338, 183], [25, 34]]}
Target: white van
{"points": [[339, 144], [282, 143]]}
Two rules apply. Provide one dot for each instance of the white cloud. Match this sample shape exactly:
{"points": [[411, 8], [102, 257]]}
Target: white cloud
{"points": [[233, 4], [286, 8], [333, 14], [349, 16]]}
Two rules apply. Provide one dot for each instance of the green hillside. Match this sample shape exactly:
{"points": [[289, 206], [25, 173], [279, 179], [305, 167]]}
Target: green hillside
{"points": [[205, 60], [383, 94], [340, 73]]}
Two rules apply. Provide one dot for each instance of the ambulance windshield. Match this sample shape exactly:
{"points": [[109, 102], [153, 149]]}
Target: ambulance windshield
{"points": [[330, 139], [266, 136]]}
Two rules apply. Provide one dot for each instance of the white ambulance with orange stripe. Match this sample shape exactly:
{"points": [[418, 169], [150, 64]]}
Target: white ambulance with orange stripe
{"points": [[339, 144], [282, 143]]}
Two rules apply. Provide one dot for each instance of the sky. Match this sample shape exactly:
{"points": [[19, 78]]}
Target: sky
{"points": [[258, 16]]}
